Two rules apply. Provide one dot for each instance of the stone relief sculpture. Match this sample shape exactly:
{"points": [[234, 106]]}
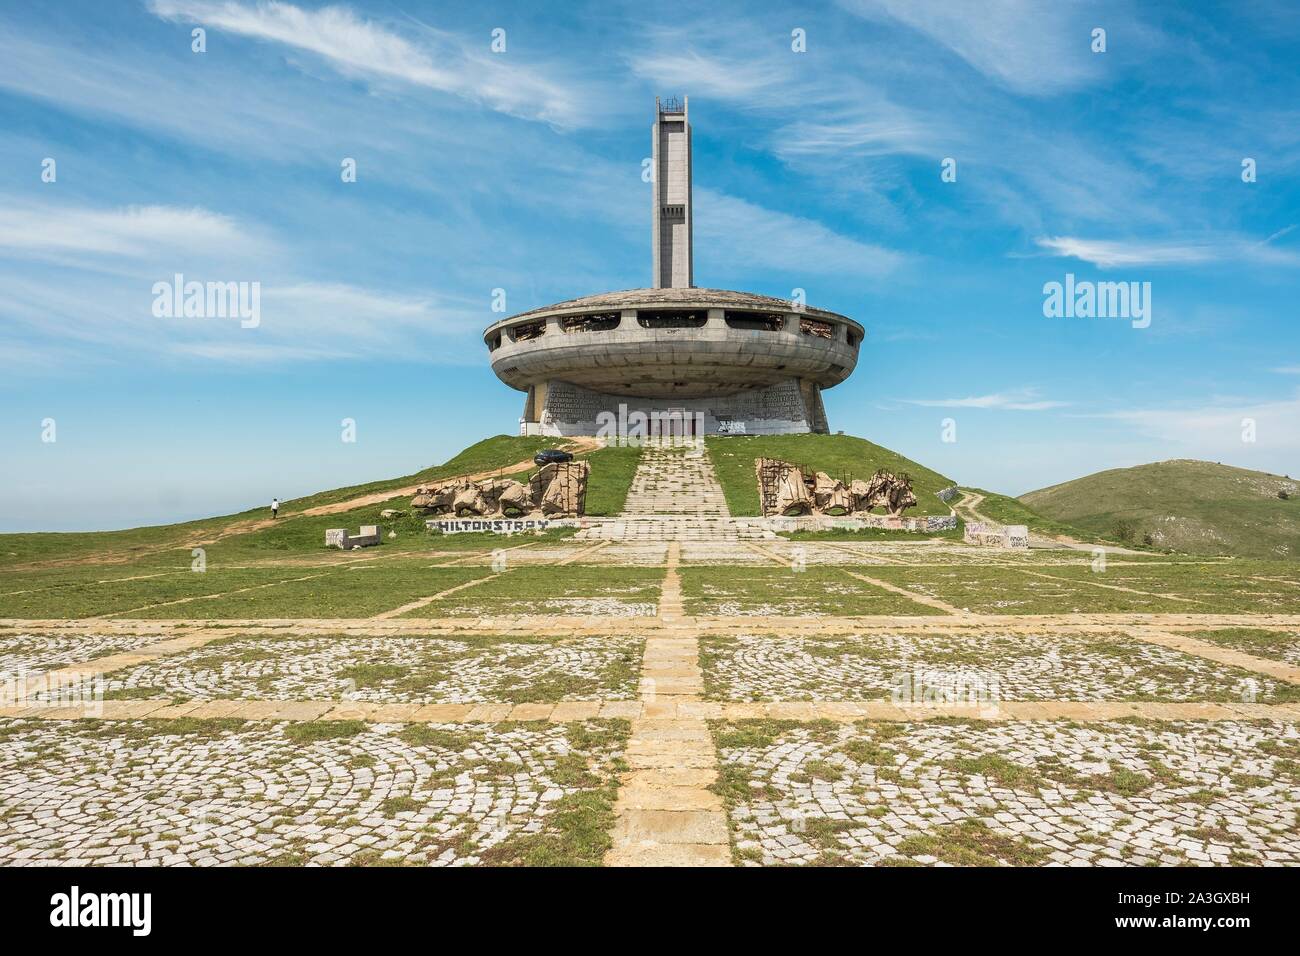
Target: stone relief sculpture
{"points": [[785, 490], [557, 490]]}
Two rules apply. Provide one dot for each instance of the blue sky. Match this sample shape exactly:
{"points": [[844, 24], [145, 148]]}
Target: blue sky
{"points": [[521, 170]]}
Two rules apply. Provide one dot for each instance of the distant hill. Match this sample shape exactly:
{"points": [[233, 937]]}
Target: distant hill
{"points": [[1003, 510], [1196, 507]]}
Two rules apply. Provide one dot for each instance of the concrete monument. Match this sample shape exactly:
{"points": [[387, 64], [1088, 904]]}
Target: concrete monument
{"points": [[690, 360]]}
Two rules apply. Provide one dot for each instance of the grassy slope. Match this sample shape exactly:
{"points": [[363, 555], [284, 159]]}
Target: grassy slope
{"points": [[611, 477], [734, 455], [1198, 507], [295, 532], [1005, 510]]}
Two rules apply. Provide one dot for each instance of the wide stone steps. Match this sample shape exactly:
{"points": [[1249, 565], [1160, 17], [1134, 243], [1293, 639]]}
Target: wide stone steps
{"points": [[675, 476], [675, 496], [674, 528]]}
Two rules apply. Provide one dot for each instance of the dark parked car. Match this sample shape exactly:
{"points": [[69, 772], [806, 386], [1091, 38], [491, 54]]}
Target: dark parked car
{"points": [[548, 456]]}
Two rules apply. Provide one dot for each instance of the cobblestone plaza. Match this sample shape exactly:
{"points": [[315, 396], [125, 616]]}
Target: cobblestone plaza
{"points": [[669, 696]]}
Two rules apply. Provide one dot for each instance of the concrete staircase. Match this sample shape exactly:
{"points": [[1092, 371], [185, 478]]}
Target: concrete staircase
{"points": [[675, 496], [675, 477]]}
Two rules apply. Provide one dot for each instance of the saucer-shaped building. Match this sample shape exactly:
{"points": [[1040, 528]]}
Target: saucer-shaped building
{"points": [[692, 360]]}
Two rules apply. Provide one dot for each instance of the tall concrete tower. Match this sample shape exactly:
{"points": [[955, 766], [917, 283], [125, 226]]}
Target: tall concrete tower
{"points": [[673, 259]]}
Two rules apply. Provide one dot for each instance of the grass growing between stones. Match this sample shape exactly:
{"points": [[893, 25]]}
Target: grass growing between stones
{"points": [[189, 728], [512, 794], [1221, 587], [392, 669], [1062, 590], [969, 843], [576, 589], [307, 732], [94, 599], [1277, 645], [577, 828], [967, 793], [970, 667], [359, 591], [766, 591]]}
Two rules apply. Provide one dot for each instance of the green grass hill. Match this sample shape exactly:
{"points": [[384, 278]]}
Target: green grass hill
{"points": [[838, 455], [1195, 507], [303, 521], [1002, 509], [299, 530]]}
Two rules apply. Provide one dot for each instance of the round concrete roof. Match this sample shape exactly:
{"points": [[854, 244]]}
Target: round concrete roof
{"points": [[699, 298], [639, 358]]}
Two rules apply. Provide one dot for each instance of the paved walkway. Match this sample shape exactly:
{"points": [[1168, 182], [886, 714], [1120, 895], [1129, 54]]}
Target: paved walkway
{"points": [[675, 477], [666, 815], [675, 496]]}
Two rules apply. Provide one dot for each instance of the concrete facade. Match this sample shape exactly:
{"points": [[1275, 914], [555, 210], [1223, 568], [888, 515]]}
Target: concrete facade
{"points": [[723, 361], [779, 409], [671, 162]]}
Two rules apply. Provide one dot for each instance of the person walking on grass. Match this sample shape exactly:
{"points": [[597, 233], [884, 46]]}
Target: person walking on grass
{"points": [[275, 508]]}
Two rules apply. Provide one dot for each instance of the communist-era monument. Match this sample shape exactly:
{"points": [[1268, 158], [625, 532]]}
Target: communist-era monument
{"points": [[690, 359]]}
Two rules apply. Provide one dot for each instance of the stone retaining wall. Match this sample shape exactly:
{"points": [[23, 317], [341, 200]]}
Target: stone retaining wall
{"points": [[920, 524], [996, 535]]}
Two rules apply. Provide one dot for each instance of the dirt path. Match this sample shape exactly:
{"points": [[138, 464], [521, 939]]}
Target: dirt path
{"points": [[968, 510], [577, 444]]}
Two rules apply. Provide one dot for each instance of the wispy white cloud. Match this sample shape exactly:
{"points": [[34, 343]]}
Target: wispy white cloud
{"points": [[1025, 45], [1018, 400], [355, 314], [130, 231], [98, 317], [1217, 427], [1287, 370], [1110, 253], [880, 131], [718, 76], [358, 47], [836, 111]]}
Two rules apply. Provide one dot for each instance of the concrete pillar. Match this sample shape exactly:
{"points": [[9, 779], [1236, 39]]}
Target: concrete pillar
{"points": [[539, 400], [672, 217]]}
